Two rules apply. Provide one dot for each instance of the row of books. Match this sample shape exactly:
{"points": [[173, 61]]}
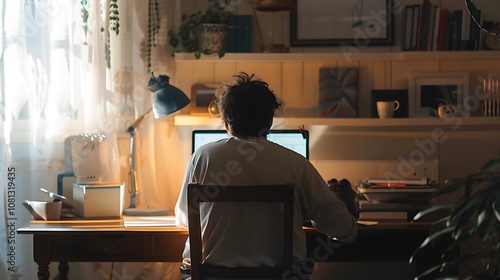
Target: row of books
{"points": [[429, 27], [239, 36]]}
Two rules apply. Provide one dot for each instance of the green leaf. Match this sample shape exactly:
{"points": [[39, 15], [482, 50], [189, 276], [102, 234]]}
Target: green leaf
{"points": [[471, 7], [496, 207], [432, 238], [430, 210]]}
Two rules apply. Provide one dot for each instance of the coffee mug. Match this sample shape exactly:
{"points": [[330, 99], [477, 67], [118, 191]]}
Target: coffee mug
{"points": [[386, 109]]}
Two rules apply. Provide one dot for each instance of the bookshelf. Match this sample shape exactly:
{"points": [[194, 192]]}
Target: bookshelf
{"points": [[367, 56], [366, 124]]}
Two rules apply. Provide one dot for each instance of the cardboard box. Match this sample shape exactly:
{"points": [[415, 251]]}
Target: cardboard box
{"points": [[98, 201]]}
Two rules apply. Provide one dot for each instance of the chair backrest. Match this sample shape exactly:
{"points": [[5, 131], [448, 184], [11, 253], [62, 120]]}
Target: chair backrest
{"points": [[261, 193]]}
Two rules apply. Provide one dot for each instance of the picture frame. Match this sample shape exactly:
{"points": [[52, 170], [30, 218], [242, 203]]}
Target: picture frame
{"points": [[428, 90], [347, 24], [202, 97]]}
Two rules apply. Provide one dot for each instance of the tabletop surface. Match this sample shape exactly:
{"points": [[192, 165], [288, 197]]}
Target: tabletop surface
{"points": [[148, 224]]}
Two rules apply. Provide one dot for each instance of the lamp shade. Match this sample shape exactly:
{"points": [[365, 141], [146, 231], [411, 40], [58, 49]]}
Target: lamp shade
{"points": [[169, 99]]}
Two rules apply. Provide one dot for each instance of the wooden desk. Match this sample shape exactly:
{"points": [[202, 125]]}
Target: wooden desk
{"points": [[110, 241]]}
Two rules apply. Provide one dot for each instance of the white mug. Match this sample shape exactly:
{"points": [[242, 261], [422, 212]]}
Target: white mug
{"points": [[386, 109]]}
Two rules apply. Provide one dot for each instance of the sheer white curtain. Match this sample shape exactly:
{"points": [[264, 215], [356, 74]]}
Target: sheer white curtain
{"points": [[62, 74]]}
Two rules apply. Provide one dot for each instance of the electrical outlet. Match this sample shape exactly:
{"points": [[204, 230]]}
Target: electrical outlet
{"points": [[428, 169]]}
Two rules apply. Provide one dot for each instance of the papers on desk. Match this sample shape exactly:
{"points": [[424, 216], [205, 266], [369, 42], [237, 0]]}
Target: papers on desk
{"points": [[148, 221]]}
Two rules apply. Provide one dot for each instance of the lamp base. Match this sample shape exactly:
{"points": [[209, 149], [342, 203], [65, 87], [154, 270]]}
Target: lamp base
{"points": [[145, 211]]}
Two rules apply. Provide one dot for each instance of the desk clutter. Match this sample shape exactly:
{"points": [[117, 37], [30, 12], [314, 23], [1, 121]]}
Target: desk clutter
{"points": [[393, 199]]}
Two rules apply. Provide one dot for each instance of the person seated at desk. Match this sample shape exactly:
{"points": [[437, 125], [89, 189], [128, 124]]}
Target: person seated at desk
{"points": [[247, 107]]}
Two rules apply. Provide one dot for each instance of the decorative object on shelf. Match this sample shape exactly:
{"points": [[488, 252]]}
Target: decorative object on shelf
{"points": [[319, 23], [169, 99], [428, 90], [400, 95], [491, 103], [202, 100], [338, 92], [191, 33], [473, 217], [274, 41]]}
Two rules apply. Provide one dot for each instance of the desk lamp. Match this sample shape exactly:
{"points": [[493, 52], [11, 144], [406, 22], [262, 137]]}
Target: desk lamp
{"points": [[169, 99]]}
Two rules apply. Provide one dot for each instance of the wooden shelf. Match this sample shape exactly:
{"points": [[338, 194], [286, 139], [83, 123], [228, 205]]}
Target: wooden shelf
{"points": [[381, 56], [414, 124]]}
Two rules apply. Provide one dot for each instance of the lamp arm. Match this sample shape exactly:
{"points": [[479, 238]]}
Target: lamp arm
{"points": [[131, 130]]}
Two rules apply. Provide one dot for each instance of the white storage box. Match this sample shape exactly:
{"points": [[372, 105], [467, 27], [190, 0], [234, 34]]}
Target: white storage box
{"points": [[98, 201]]}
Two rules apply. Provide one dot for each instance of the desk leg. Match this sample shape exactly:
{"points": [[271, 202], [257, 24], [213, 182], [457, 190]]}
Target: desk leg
{"points": [[41, 247], [43, 271], [63, 271]]}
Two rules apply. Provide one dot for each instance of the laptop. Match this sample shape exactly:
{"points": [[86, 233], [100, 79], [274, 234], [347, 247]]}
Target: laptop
{"points": [[292, 139]]}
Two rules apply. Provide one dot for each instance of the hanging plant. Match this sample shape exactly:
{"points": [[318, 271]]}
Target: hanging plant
{"points": [[153, 28], [83, 11], [114, 17]]}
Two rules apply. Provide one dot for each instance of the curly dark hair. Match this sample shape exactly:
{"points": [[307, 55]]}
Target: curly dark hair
{"points": [[246, 105]]}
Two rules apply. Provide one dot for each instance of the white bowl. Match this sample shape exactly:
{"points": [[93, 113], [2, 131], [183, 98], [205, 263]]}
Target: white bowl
{"points": [[42, 210]]}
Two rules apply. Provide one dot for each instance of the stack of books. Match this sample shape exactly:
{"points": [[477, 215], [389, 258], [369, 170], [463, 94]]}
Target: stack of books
{"points": [[393, 199]]}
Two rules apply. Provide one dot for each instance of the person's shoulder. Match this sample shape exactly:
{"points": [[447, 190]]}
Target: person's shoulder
{"points": [[212, 145]]}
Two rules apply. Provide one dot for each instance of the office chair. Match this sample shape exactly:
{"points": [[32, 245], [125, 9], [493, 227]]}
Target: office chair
{"points": [[263, 193]]}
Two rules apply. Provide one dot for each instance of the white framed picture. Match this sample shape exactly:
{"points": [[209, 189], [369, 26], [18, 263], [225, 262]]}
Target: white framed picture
{"points": [[428, 90]]}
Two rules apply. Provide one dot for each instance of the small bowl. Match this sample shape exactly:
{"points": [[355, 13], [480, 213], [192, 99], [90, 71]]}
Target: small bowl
{"points": [[42, 210]]}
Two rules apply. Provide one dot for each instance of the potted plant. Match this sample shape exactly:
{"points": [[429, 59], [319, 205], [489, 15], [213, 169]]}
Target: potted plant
{"points": [[474, 217], [204, 32]]}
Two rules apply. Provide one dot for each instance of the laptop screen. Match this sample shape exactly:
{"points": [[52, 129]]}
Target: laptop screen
{"points": [[292, 139]]}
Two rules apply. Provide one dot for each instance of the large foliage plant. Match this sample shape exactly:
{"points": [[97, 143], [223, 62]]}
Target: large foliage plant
{"points": [[472, 219]]}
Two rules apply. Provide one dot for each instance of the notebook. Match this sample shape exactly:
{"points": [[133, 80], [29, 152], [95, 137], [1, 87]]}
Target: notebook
{"points": [[292, 139]]}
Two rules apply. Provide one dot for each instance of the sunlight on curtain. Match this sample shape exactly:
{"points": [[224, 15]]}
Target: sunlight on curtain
{"points": [[61, 75]]}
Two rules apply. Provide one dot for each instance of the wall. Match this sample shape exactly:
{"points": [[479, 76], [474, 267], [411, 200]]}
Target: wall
{"points": [[355, 154]]}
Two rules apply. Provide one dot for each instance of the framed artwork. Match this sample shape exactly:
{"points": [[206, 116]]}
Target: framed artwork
{"points": [[358, 23], [428, 90], [338, 92], [400, 95]]}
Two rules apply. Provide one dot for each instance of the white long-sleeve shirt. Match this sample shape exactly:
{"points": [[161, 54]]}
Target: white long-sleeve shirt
{"points": [[235, 161]]}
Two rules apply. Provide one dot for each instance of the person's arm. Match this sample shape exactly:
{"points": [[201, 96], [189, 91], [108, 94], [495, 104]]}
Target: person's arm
{"points": [[181, 209], [327, 212]]}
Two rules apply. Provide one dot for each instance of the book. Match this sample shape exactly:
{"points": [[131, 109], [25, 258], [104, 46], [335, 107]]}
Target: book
{"points": [[435, 28], [475, 34], [414, 27], [383, 215], [407, 26], [442, 29], [366, 205], [456, 35], [402, 181], [423, 25]]}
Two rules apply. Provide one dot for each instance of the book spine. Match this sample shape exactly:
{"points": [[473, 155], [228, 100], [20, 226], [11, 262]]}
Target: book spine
{"points": [[443, 25], [423, 26], [414, 28]]}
